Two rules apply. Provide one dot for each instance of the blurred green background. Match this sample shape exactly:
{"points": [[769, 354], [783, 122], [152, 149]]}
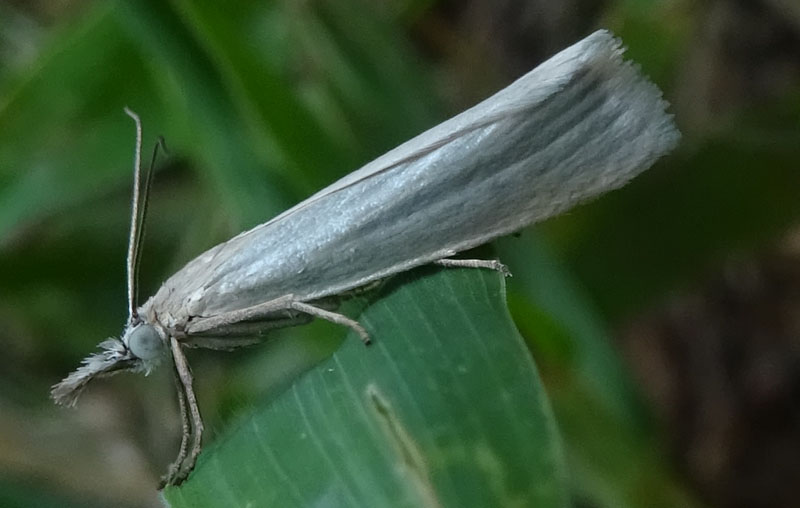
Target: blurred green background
{"points": [[664, 318]]}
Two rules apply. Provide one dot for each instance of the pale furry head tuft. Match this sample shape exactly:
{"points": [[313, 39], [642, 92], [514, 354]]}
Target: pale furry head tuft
{"points": [[113, 358]]}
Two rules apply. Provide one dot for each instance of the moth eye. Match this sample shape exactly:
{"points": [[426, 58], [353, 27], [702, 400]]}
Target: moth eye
{"points": [[145, 343]]}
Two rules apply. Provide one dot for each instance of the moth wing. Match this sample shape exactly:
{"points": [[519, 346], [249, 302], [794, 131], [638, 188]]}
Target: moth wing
{"points": [[524, 154]]}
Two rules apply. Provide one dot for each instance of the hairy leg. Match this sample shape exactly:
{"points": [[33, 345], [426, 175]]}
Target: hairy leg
{"points": [[267, 311], [186, 429], [185, 377], [491, 264]]}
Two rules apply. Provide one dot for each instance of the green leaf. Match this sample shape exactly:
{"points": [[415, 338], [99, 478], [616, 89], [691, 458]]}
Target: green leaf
{"points": [[444, 409], [679, 219], [193, 88], [612, 450]]}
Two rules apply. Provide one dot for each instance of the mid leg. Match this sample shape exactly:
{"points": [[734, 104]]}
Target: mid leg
{"points": [[236, 317], [270, 311], [333, 317]]}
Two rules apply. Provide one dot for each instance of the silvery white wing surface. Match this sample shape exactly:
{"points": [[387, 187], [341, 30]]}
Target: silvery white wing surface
{"points": [[582, 123]]}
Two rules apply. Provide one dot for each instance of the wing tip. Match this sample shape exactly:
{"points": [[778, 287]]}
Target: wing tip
{"points": [[624, 78]]}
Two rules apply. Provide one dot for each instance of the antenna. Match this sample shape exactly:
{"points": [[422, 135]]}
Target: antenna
{"points": [[139, 207], [148, 183]]}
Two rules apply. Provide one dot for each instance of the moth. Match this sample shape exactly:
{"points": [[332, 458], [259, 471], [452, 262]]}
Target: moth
{"points": [[580, 124]]}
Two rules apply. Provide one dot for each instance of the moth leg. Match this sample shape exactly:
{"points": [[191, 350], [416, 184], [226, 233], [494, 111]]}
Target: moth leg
{"points": [[491, 264], [245, 329], [186, 429], [333, 317], [254, 313], [185, 376], [269, 310]]}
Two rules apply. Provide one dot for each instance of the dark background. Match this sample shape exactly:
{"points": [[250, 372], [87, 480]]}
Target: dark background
{"points": [[691, 274]]}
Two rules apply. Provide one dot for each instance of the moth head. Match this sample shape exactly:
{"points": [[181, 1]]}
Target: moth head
{"points": [[142, 345], [145, 343], [139, 350]]}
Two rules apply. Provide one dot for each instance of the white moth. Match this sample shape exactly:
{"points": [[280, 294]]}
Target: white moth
{"points": [[580, 124]]}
